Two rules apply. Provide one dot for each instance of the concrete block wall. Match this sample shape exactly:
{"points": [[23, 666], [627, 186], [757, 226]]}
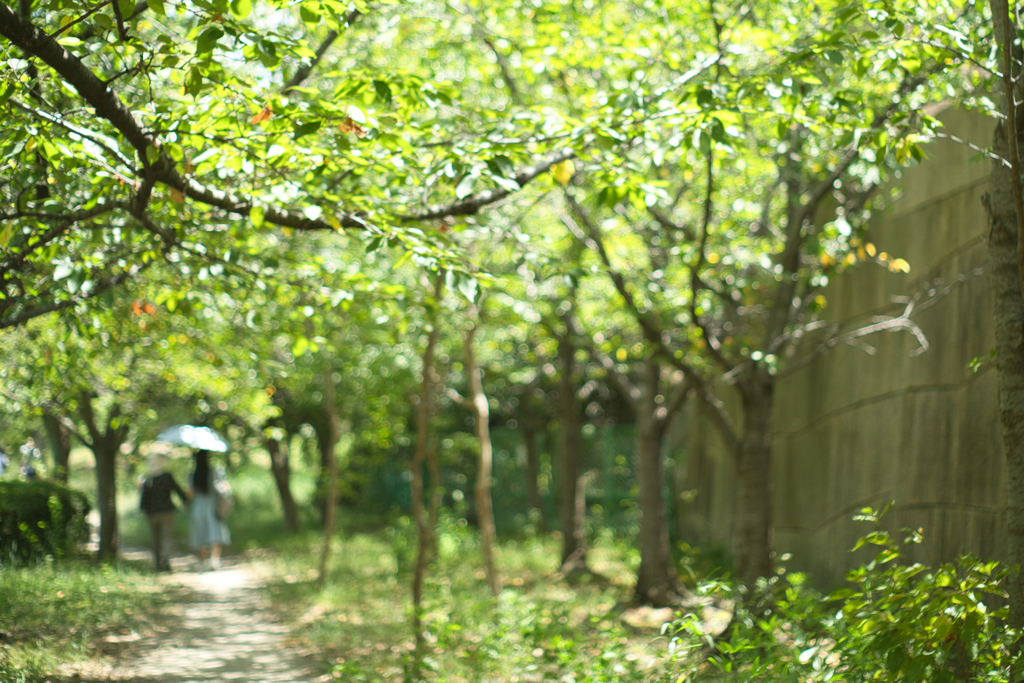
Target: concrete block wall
{"points": [[856, 429]]}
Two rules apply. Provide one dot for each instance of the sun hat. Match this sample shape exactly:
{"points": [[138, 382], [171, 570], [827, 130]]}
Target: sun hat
{"points": [[156, 462]]}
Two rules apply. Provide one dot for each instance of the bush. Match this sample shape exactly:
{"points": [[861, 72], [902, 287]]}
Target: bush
{"points": [[898, 621], [40, 518]]}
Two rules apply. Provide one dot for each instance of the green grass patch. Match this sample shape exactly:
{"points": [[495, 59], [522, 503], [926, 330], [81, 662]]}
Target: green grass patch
{"points": [[539, 628], [65, 613]]}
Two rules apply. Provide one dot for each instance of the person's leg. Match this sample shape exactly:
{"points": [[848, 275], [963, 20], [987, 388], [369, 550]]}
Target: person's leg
{"points": [[215, 561], [167, 540], [154, 532]]}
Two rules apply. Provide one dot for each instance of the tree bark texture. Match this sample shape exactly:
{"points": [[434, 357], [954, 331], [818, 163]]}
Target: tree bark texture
{"points": [[106, 499], [330, 505], [656, 577], [280, 467], [59, 438], [482, 415], [754, 480], [105, 444], [574, 542], [425, 533], [326, 448], [1008, 314], [532, 471]]}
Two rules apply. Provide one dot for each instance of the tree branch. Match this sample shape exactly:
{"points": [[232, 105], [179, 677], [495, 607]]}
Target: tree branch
{"points": [[303, 72], [100, 287], [472, 204]]}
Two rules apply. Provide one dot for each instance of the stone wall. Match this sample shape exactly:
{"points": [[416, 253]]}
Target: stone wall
{"points": [[855, 428]]}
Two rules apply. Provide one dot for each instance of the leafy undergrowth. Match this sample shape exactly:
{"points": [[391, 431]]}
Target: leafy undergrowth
{"points": [[538, 629], [69, 613], [897, 620]]}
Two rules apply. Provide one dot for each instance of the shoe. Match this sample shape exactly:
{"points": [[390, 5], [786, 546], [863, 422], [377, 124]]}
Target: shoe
{"points": [[215, 564], [204, 566]]}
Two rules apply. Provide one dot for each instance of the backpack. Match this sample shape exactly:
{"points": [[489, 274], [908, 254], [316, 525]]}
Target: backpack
{"points": [[224, 500]]}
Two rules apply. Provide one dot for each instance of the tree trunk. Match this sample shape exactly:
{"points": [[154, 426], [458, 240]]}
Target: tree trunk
{"points": [[424, 529], [482, 414], [326, 448], [59, 438], [1008, 313], [280, 467], [330, 504], [533, 497], [106, 497], [104, 445], [656, 577], [574, 542], [754, 480]]}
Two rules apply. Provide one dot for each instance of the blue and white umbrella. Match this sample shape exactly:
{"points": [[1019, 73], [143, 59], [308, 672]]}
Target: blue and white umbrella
{"points": [[202, 438]]}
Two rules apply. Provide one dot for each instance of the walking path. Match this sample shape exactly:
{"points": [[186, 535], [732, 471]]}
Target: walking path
{"points": [[220, 631]]}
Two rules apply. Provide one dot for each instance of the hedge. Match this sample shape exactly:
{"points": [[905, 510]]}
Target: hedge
{"points": [[40, 518]]}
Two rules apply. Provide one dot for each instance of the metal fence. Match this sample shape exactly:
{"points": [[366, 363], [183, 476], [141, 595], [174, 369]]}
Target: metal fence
{"points": [[611, 494]]}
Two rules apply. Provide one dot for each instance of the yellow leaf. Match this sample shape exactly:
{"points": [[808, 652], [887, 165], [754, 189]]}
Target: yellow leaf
{"points": [[899, 266], [621, 355], [870, 248], [563, 172]]}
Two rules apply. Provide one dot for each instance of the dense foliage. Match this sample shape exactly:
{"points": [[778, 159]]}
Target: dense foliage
{"points": [[899, 621], [40, 518]]}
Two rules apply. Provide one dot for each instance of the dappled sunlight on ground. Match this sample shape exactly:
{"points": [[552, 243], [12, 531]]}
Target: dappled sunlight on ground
{"points": [[221, 632]]}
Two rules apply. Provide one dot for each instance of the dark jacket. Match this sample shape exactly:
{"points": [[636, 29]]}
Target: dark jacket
{"points": [[156, 494]]}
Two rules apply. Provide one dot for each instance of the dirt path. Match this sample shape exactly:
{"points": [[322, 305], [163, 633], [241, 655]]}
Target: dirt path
{"points": [[220, 630]]}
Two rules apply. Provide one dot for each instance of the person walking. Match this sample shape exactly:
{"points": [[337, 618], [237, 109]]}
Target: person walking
{"points": [[155, 500], [207, 533]]}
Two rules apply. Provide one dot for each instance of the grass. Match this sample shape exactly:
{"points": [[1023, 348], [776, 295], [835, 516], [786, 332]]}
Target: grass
{"points": [[72, 612], [538, 629]]}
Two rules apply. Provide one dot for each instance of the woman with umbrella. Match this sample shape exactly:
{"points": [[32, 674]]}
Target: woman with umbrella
{"points": [[207, 533]]}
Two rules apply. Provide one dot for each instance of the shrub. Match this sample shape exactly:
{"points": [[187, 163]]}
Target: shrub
{"points": [[40, 518], [898, 621]]}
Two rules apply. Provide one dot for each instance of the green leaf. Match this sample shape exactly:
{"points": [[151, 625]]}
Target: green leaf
{"points": [[158, 7], [383, 91], [208, 40], [303, 129], [127, 7], [103, 21], [240, 9], [501, 166], [834, 56], [465, 186], [309, 13], [256, 215], [912, 64]]}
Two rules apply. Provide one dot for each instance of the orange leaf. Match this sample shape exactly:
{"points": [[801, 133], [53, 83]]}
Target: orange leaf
{"points": [[264, 115], [148, 308], [350, 126], [176, 196], [137, 307]]}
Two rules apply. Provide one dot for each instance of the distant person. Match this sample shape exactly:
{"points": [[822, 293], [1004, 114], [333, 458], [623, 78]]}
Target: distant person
{"points": [[207, 533], [155, 500]]}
